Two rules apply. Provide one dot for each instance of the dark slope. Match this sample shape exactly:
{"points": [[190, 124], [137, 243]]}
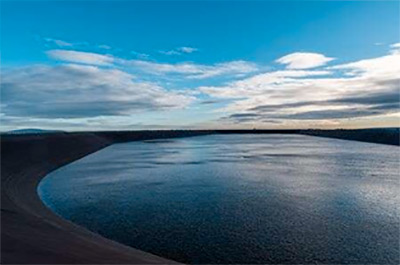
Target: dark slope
{"points": [[378, 135]]}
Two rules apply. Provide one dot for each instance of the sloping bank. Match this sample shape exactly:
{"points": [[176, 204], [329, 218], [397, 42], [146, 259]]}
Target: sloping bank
{"points": [[32, 233]]}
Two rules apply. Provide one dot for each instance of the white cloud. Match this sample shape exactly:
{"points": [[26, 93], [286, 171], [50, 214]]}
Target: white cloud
{"points": [[372, 88], [81, 57], [195, 71], [395, 45], [187, 69], [82, 91], [385, 66], [304, 60], [270, 82], [105, 47], [59, 43], [170, 52], [179, 50], [187, 49], [140, 55]]}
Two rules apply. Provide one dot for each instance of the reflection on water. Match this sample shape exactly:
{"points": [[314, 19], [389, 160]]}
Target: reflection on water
{"points": [[239, 198]]}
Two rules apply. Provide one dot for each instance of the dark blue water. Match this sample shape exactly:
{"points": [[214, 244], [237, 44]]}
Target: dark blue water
{"points": [[239, 198]]}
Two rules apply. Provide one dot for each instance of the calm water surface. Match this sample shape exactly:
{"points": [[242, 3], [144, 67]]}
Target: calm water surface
{"points": [[239, 198]]}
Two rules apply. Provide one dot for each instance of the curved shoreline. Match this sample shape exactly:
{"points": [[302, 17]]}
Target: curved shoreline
{"points": [[31, 232]]}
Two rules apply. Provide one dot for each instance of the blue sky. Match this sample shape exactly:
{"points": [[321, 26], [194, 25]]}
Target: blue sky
{"points": [[199, 64]]}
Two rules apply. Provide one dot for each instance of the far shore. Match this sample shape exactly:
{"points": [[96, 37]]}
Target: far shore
{"points": [[32, 233]]}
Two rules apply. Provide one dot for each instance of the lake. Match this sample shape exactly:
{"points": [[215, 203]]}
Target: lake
{"points": [[238, 198]]}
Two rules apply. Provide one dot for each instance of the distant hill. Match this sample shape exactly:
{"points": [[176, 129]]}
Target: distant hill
{"points": [[374, 135], [32, 131], [389, 136]]}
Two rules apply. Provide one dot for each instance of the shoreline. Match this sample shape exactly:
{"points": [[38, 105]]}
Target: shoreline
{"points": [[32, 233]]}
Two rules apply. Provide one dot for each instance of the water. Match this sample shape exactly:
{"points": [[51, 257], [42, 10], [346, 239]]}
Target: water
{"points": [[239, 198]]}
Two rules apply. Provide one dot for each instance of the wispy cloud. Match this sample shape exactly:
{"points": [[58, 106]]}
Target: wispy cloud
{"points": [[304, 60], [105, 47], [261, 84], [395, 47], [187, 49], [140, 55], [170, 52], [59, 43], [195, 71], [81, 57], [186, 69], [179, 51]]}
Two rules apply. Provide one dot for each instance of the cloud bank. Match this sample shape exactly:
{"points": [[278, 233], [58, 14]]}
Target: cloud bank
{"points": [[76, 91], [362, 88], [83, 88]]}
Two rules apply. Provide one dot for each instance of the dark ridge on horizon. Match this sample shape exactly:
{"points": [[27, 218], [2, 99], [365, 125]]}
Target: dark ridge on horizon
{"points": [[388, 135], [31, 131]]}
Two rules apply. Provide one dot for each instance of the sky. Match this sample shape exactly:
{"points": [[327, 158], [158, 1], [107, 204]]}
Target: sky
{"points": [[131, 65]]}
